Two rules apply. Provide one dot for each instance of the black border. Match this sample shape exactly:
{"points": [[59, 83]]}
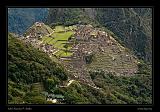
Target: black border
{"points": [[82, 108]]}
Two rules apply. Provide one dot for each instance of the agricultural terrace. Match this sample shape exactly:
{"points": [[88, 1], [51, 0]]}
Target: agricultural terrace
{"points": [[59, 38]]}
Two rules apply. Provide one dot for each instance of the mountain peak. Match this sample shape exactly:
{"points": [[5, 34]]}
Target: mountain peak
{"points": [[82, 47]]}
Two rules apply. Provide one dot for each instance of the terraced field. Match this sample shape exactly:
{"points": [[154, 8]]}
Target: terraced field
{"points": [[59, 38], [119, 63]]}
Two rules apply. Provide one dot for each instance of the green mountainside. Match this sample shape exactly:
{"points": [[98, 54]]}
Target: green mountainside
{"points": [[69, 16], [35, 75], [132, 26], [80, 56], [19, 19], [26, 67]]}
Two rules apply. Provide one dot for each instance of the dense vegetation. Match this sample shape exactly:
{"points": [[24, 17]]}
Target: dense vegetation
{"points": [[134, 89], [31, 71], [114, 90], [69, 16], [133, 26], [28, 66], [19, 19]]}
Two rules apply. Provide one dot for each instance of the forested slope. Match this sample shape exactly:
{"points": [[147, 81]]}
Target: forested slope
{"points": [[31, 72], [28, 66]]}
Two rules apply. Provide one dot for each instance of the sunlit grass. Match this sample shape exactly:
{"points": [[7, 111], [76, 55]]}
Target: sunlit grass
{"points": [[59, 38], [62, 36]]}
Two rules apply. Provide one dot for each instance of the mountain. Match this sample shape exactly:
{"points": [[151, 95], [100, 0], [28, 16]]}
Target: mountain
{"points": [[39, 28], [77, 57], [100, 50], [128, 24], [133, 26], [64, 64], [29, 70], [69, 16], [19, 19]]}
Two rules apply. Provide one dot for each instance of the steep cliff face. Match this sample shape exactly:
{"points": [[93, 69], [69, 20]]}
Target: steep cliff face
{"points": [[70, 16], [19, 19], [132, 25]]}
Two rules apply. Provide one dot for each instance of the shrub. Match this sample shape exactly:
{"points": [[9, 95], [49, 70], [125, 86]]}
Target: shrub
{"points": [[16, 100], [35, 100]]}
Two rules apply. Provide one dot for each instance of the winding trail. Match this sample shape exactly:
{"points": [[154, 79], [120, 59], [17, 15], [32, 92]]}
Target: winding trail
{"points": [[71, 81]]}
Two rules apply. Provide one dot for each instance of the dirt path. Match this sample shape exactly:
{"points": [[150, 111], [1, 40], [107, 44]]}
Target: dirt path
{"points": [[55, 51], [69, 83]]}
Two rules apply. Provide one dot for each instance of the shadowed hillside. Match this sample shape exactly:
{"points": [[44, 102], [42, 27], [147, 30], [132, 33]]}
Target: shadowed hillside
{"points": [[19, 19]]}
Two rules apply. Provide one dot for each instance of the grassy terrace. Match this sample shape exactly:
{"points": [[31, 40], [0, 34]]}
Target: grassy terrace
{"points": [[46, 39], [59, 53], [58, 39], [62, 35]]}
